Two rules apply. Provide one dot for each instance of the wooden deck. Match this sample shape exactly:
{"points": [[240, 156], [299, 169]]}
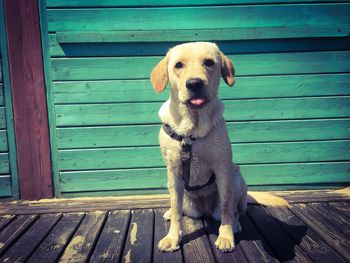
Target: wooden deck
{"points": [[316, 228]]}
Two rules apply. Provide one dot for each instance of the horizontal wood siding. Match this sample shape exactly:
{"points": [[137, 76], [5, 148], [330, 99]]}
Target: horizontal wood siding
{"points": [[5, 174], [287, 116], [8, 164]]}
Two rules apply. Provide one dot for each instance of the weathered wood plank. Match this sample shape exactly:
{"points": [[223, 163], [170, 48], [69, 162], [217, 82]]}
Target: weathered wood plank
{"points": [[334, 237], [3, 141], [55, 243], [5, 186], [273, 232], [105, 91], [138, 3], [110, 244], [161, 228], [86, 204], [269, 174], [341, 207], [195, 243], [332, 216], [235, 110], [139, 242], [242, 16], [81, 245], [105, 68], [150, 201], [29, 98], [4, 164], [254, 245], [1, 70], [223, 34], [244, 131], [122, 49], [5, 220], [244, 153], [14, 230], [212, 229], [308, 196], [27, 243], [2, 118], [307, 239], [2, 101]]}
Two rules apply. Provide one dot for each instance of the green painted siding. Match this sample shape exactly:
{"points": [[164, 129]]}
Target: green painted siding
{"points": [[8, 166], [287, 116]]}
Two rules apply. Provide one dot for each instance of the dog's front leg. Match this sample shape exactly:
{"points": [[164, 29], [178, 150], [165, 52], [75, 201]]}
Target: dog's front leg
{"points": [[224, 180], [172, 240]]}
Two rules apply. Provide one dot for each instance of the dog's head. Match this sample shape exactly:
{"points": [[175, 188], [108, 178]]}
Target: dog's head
{"points": [[194, 71]]}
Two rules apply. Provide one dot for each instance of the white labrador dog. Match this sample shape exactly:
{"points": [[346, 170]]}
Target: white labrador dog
{"points": [[202, 178]]}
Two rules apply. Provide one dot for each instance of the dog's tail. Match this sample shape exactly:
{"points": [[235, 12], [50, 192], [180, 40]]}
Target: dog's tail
{"points": [[266, 199]]}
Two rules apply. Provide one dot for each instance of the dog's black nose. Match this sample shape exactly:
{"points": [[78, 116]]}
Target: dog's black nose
{"points": [[194, 84]]}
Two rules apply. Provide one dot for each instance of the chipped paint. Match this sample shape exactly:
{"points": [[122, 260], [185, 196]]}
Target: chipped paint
{"points": [[2, 245], [7, 216], [116, 231], [128, 257], [71, 253], [133, 234], [6, 259]]}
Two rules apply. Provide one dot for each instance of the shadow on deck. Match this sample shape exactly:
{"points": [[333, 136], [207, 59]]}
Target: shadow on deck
{"points": [[315, 228]]}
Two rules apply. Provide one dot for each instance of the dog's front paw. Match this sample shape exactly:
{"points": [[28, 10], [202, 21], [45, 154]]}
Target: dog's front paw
{"points": [[225, 241], [225, 244], [168, 244]]}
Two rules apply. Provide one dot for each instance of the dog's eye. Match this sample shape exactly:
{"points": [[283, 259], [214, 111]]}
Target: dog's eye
{"points": [[208, 62], [179, 65]]}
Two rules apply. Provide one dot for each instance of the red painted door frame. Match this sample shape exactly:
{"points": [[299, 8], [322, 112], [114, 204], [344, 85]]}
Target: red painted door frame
{"points": [[29, 99]]}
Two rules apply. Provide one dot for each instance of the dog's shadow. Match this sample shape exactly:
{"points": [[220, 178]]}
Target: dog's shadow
{"points": [[252, 233]]}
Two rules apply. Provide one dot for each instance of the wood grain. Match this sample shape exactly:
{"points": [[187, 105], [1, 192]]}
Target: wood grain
{"points": [[244, 153], [240, 16], [29, 103], [82, 243], [161, 228], [195, 242], [235, 110], [138, 3], [334, 237], [14, 230], [54, 244], [272, 231], [316, 249], [242, 131], [250, 87], [138, 244], [260, 174], [27, 243], [109, 247], [117, 68]]}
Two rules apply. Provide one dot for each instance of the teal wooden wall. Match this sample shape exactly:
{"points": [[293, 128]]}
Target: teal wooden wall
{"points": [[288, 114], [8, 166]]}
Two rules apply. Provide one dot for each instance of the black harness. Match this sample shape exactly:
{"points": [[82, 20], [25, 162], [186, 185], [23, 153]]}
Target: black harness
{"points": [[186, 153]]}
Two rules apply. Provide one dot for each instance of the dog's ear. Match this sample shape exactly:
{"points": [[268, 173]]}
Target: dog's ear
{"points": [[227, 70], [159, 75]]}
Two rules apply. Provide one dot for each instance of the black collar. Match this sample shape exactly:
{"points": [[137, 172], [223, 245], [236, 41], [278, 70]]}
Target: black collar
{"points": [[186, 153], [168, 130]]}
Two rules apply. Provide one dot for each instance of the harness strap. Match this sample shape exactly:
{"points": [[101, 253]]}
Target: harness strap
{"points": [[186, 153]]}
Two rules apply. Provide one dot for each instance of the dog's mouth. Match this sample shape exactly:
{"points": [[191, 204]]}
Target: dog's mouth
{"points": [[197, 102]]}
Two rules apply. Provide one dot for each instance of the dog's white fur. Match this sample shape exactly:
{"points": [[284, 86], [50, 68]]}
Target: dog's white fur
{"points": [[226, 199]]}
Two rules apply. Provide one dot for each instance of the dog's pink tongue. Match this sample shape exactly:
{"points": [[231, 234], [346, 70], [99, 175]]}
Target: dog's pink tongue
{"points": [[197, 101]]}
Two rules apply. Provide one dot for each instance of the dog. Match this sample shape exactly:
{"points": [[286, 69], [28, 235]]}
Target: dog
{"points": [[202, 178]]}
